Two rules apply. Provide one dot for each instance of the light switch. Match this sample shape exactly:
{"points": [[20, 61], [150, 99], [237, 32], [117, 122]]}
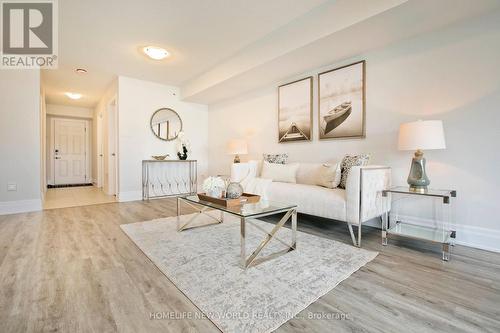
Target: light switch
{"points": [[11, 187]]}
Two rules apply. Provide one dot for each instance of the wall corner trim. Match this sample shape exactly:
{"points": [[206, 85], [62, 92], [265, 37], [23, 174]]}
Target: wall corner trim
{"points": [[130, 196]]}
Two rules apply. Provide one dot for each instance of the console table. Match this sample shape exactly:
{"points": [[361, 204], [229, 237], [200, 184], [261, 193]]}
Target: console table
{"points": [[168, 178]]}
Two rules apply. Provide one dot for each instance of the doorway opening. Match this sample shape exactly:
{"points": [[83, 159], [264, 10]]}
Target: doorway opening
{"points": [[71, 159]]}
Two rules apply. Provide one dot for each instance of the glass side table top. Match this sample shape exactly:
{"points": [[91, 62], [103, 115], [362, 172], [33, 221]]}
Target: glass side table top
{"points": [[445, 194], [246, 210]]}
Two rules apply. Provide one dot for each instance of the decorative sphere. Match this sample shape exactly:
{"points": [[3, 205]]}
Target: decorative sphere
{"points": [[234, 190]]}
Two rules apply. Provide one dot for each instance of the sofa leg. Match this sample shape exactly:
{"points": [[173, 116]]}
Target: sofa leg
{"points": [[352, 234], [351, 231], [359, 235]]}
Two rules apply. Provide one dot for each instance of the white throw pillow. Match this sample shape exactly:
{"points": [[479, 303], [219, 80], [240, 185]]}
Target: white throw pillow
{"points": [[329, 175], [286, 173]]}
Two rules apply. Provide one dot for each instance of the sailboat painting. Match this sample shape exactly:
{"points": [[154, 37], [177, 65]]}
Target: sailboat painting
{"points": [[342, 102], [295, 111]]}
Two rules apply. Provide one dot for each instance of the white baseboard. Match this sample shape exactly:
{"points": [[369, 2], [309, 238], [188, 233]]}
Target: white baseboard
{"points": [[479, 238], [467, 235], [130, 196], [20, 206]]}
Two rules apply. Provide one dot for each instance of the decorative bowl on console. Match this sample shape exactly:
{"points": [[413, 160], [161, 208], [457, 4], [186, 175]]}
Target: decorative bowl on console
{"points": [[160, 157]]}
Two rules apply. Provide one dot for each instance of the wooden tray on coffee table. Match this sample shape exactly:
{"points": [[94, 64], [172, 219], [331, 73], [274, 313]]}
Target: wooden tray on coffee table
{"points": [[226, 202]]}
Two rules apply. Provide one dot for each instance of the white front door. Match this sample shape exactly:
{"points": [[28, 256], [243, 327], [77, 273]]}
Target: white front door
{"points": [[70, 160]]}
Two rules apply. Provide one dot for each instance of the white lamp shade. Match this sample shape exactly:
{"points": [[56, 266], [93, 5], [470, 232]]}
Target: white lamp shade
{"points": [[237, 147], [422, 134]]}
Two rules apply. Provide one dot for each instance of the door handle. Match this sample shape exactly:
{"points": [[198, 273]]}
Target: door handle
{"points": [[113, 154], [57, 158]]}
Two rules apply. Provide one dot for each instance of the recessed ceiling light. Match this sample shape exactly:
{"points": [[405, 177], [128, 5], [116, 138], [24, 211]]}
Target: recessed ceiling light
{"points": [[156, 53], [73, 95], [81, 70]]}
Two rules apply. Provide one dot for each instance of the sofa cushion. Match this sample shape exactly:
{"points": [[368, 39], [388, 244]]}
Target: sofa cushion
{"points": [[322, 174], [280, 172], [329, 175], [307, 173], [310, 199]]}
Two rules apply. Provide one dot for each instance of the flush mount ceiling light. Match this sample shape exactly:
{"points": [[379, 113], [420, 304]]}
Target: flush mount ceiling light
{"points": [[73, 95], [81, 70], [156, 53]]}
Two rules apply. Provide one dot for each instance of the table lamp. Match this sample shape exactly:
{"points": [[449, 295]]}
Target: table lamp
{"points": [[237, 147], [420, 135]]}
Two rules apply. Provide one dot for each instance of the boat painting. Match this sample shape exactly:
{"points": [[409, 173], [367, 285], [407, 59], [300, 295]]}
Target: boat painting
{"points": [[293, 134], [295, 111], [341, 102], [337, 116]]}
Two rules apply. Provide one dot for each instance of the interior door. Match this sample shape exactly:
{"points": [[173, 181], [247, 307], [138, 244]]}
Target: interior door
{"points": [[70, 160]]}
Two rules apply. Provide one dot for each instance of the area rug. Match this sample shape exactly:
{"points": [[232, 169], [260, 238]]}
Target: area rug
{"points": [[204, 264]]}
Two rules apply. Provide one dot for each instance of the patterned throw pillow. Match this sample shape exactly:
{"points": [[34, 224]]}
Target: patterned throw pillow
{"points": [[348, 162], [276, 158]]}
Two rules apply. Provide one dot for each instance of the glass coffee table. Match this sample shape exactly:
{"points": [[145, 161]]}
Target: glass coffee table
{"points": [[246, 213]]}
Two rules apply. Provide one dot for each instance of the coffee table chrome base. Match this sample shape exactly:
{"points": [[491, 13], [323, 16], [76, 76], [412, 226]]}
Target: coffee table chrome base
{"points": [[201, 211], [252, 259]]}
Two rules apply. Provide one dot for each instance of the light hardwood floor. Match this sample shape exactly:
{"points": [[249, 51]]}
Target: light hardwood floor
{"points": [[74, 270], [75, 196]]}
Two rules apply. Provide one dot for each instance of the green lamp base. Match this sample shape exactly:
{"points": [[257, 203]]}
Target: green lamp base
{"points": [[417, 179]]}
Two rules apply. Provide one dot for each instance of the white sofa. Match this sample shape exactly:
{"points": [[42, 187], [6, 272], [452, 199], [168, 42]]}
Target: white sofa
{"points": [[361, 200]]}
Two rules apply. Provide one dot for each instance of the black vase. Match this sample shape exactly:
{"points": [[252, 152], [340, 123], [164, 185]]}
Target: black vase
{"points": [[184, 155]]}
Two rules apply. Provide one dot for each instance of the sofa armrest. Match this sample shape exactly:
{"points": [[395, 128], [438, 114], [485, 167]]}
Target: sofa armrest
{"points": [[364, 188], [247, 170], [239, 171]]}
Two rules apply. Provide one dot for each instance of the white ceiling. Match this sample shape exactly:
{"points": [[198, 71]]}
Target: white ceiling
{"points": [[104, 37], [221, 48], [323, 47]]}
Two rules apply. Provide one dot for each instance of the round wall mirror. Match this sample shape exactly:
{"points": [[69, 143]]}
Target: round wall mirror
{"points": [[166, 124]]}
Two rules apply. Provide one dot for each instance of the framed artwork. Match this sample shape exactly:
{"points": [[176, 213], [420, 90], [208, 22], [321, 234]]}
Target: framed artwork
{"points": [[295, 111], [341, 100]]}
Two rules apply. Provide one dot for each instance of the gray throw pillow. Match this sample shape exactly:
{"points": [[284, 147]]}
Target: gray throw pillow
{"points": [[276, 158], [348, 162]]}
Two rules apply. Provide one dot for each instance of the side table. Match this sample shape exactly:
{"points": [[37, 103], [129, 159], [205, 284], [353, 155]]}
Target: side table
{"points": [[437, 229]]}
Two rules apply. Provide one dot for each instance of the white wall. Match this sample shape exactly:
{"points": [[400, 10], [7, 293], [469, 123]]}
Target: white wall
{"points": [[20, 140], [452, 74], [43, 143], [69, 111], [100, 135], [137, 100]]}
